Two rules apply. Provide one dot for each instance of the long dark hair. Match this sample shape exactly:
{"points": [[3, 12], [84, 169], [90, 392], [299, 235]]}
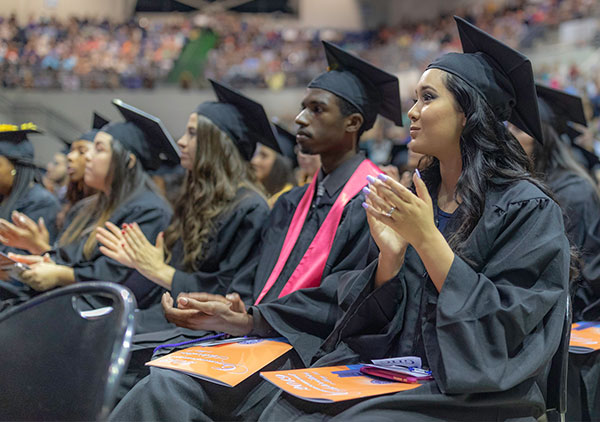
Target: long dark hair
{"points": [[24, 178], [555, 155], [281, 174], [125, 180], [208, 191], [76, 191], [490, 155]]}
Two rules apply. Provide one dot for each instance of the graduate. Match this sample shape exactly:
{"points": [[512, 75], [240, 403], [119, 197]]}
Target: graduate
{"points": [[20, 188], [116, 169], [220, 211], [55, 180], [313, 233], [276, 170], [473, 270], [573, 188], [32, 236]]}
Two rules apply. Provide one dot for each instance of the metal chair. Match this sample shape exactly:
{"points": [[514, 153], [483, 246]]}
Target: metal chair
{"points": [[556, 392], [61, 362]]}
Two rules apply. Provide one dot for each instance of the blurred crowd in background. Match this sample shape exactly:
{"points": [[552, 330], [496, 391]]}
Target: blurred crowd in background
{"points": [[267, 51], [251, 50], [49, 54]]}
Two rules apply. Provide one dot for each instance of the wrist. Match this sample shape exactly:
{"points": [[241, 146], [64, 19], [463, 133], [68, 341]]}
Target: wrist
{"points": [[163, 276], [388, 266], [243, 325], [39, 247], [65, 275], [248, 324], [430, 239]]}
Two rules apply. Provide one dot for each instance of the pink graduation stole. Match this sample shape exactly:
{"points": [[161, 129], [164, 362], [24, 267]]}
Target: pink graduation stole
{"points": [[309, 271]]}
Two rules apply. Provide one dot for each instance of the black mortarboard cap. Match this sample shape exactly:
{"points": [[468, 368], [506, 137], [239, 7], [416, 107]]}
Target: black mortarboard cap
{"points": [[14, 144], [89, 135], [557, 108], [145, 136], [586, 158], [371, 90], [242, 119], [501, 75], [287, 142], [98, 121], [66, 147]]}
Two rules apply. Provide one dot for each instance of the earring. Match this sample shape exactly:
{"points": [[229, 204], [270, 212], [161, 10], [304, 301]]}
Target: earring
{"points": [[13, 172]]}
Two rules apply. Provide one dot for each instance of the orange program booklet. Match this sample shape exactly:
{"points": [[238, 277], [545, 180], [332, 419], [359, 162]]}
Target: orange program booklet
{"points": [[333, 383], [585, 337], [225, 364]]}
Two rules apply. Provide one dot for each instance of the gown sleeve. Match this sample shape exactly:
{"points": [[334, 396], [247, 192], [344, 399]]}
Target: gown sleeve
{"points": [[236, 238], [266, 248], [498, 318], [38, 202], [307, 316], [583, 228], [151, 218], [492, 328]]}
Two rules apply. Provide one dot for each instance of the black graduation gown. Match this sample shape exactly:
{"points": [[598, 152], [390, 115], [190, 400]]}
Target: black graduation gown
{"points": [[488, 336], [152, 214], [35, 203], [347, 253], [168, 395], [581, 209], [236, 232]]}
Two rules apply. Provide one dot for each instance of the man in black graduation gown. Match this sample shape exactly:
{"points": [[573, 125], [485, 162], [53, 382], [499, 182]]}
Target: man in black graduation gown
{"points": [[338, 106]]}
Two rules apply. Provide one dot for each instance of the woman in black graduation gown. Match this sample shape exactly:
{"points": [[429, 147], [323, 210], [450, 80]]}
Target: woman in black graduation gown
{"points": [[574, 189], [33, 236], [20, 190], [115, 167], [273, 170], [472, 279], [218, 216]]}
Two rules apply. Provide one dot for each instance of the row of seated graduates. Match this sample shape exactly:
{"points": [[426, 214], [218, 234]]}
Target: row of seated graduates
{"points": [[246, 202]]}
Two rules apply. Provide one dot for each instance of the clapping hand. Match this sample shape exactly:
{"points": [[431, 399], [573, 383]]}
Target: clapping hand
{"points": [[203, 311]]}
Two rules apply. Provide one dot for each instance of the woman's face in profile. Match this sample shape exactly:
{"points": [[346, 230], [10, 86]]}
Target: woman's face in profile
{"points": [[6, 175], [436, 121], [188, 143], [76, 159], [98, 159], [262, 162]]}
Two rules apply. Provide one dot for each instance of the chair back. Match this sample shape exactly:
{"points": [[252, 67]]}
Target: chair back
{"points": [[556, 392], [61, 361]]}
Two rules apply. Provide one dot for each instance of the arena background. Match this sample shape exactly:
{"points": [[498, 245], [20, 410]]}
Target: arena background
{"points": [[62, 59]]}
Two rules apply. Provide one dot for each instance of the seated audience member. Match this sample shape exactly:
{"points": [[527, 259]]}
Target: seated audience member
{"points": [[473, 269], [314, 234], [577, 195], [115, 168], [219, 214], [276, 170], [33, 237], [20, 189], [573, 188], [55, 180]]}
